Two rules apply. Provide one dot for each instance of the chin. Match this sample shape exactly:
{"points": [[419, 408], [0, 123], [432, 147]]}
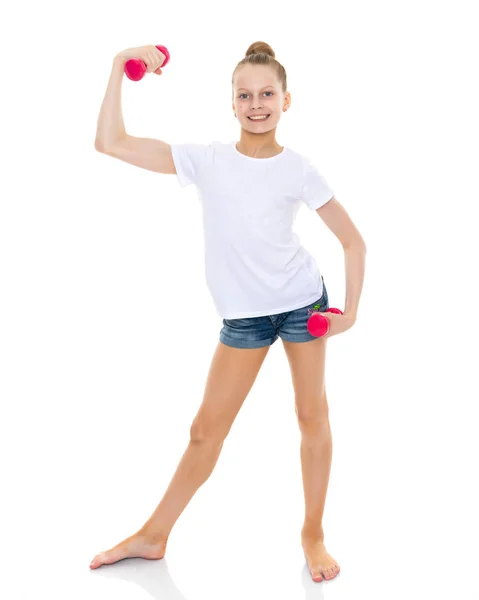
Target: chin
{"points": [[263, 129]]}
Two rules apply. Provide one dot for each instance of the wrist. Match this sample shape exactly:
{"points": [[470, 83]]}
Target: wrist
{"points": [[119, 60]]}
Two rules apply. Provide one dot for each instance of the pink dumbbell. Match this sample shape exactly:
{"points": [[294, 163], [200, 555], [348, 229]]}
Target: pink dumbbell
{"points": [[318, 324], [136, 68]]}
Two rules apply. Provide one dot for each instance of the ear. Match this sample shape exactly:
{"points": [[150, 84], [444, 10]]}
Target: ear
{"points": [[287, 101]]}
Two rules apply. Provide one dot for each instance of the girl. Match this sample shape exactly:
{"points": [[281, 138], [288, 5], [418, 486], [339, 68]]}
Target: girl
{"points": [[263, 282]]}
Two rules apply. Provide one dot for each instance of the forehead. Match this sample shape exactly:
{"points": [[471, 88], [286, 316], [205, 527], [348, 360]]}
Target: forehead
{"points": [[255, 77]]}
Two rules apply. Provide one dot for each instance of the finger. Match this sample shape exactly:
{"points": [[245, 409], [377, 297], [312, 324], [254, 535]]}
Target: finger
{"points": [[151, 64], [161, 57], [156, 60]]}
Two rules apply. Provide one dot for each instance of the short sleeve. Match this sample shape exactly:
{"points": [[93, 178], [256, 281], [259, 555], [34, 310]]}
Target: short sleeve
{"points": [[315, 191], [189, 160]]}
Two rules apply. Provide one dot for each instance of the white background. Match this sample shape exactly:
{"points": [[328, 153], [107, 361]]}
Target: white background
{"points": [[108, 329]]}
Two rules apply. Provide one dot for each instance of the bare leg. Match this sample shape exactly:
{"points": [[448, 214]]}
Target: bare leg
{"points": [[316, 454], [232, 374], [307, 364]]}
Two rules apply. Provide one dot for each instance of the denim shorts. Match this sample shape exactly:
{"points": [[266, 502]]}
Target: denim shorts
{"points": [[257, 332]]}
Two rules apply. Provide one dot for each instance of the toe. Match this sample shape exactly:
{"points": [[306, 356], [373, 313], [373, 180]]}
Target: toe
{"points": [[317, 576], [95, 562]]}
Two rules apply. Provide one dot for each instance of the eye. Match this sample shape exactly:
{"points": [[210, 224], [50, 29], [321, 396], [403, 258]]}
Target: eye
{"points": [[247, 94]]}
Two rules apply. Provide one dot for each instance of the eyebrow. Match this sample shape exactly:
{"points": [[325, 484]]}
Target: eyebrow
{"points": [[263, 88]]}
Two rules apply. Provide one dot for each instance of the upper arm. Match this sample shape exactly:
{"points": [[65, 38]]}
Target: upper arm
{"points": [[339, 222], [146, 153]]}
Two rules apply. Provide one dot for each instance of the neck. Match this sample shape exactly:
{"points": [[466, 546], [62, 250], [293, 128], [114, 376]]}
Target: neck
{"points": [[259, 145]]}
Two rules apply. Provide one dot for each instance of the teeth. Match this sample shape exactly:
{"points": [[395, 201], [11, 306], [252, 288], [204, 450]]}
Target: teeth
{"points": [[259, 118]]}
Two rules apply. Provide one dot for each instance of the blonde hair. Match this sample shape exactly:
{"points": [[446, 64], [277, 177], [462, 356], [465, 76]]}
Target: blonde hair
{"points": [[261, 53]]}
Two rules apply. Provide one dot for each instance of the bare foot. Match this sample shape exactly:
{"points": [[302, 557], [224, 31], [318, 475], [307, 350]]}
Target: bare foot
{"points": [[321, 564], [140, 545]]}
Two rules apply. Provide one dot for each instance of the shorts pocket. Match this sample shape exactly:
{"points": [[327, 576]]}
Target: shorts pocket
{"points": [[320, 305], [237, 323], [324, 298]]}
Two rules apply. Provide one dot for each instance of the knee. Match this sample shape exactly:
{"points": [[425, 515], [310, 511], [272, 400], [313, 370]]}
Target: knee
{"points": [[314, 421], [206, 433]]}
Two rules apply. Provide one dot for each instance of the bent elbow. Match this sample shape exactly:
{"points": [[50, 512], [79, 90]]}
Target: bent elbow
{"points": [[99, 147]]}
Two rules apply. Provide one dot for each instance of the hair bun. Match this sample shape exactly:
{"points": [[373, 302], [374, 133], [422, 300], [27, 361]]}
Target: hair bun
{"points": [[260, 48]]}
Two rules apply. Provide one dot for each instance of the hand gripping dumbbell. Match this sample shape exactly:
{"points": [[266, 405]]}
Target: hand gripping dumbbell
{"points": [[135, 68], [318, 324]]}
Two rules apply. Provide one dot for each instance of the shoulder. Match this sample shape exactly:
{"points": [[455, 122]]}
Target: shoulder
{"points": [[196, 153], [207, 150], [301, 160], [310, 167], [191, 159]]}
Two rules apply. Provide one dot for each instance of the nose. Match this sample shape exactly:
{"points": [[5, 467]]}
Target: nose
{"points": [[258, 104]]}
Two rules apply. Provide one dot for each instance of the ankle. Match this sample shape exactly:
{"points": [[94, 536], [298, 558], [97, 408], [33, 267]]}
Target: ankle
{"points": [[312, 531], [153, 534]]}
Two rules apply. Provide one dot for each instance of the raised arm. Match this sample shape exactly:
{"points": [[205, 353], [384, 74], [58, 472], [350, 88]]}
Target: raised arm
{"points": [[111, 137]]}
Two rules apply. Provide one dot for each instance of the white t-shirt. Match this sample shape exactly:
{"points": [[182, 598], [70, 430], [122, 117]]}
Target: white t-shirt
{"points": [[254, 262]]}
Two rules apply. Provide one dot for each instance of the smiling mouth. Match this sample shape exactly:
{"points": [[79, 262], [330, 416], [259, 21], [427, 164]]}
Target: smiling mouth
{"points": [[259, 120]]}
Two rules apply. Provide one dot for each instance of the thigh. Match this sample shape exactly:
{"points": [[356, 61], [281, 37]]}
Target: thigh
{"points": [[307, 362], [230, 378], [294, 327]]}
